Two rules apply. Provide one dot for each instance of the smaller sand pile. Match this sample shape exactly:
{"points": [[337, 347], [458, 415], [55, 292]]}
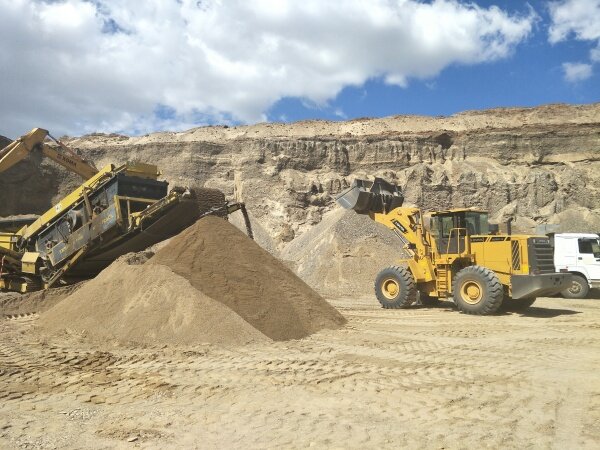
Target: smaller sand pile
{"points": [[222, 262], [147, 304], [38, 301]]}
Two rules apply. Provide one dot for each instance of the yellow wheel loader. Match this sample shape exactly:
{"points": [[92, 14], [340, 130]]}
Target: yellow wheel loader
{"points": [[454, 254], [115, 211]]}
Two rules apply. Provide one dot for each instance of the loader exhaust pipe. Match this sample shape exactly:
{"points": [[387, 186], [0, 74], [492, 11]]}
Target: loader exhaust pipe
{"points": [[509, 226], [376, 196]]}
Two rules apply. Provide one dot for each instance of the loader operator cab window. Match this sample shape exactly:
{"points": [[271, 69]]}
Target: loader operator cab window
{"points": [[477, 223], [441, 228], [446, 225], [463, 223]]}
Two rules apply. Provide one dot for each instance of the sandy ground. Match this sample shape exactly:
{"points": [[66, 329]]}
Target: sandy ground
{"points": [[418, 378]]}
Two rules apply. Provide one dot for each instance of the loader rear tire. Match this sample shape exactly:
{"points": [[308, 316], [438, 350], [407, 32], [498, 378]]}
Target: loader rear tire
{"points": [[477, 290], [395, 288]]}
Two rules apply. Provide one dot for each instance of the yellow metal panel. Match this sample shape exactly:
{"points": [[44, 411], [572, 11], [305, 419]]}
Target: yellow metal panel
{"points": [[455, 210], [64, 204], [28, 262], [19, 149], [30, 257], [6, 240], [142, 170]]}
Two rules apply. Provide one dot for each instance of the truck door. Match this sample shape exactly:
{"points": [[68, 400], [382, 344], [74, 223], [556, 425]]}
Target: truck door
{"points": [[565, 251], [589, 256]]}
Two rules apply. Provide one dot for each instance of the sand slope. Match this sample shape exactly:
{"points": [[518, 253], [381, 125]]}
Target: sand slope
{"points": [[222, 262], [147, 304]]}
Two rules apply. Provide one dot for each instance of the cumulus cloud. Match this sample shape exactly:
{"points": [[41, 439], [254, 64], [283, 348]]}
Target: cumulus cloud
{"points": [[75, 66], [578, 19], [575, 72]]}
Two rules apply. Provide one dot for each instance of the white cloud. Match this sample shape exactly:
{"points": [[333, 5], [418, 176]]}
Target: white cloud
{"points": [[575, 72], [75, 66], [578, 19]]}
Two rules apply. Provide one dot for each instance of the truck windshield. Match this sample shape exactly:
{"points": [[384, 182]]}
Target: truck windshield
{"points": [[477, 223], [590, 246]]}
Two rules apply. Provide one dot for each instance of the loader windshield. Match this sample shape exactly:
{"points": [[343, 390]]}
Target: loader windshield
{"points": [[476, 223], [450, 229]]}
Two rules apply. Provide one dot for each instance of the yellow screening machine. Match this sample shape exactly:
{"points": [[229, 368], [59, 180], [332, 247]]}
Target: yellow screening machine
{"points": [[116, 210]]}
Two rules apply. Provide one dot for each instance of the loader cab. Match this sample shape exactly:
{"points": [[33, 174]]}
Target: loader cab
{"points": [[451, 229]]}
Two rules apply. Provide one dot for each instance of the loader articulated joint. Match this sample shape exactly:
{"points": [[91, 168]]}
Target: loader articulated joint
{"points": [[376, 196]]}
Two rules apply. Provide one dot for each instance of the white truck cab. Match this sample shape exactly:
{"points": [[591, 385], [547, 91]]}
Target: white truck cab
{"points": [[579, 254]]}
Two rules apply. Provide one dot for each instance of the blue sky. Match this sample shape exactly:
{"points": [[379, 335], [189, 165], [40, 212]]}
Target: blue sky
{"points": [[80, 66], [532, 75]]}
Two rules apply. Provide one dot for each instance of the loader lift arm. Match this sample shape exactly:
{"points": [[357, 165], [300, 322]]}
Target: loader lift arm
{"points": [[382, 202], [35, 139]]}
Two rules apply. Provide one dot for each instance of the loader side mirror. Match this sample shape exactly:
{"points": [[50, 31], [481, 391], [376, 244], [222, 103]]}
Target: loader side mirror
{"points": [[494, 228]]}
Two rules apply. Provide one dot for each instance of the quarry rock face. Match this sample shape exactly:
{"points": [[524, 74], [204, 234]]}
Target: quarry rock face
{"points": [[537, 165]]}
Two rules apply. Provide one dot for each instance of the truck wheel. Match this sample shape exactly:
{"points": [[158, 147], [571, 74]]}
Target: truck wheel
{"points": [[579, 288], [395, 288], [521, 304], [477, 290]]}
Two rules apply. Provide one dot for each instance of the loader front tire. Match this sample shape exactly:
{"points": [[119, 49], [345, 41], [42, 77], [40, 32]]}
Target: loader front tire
{"points": [[395, 288], [477, 290]]}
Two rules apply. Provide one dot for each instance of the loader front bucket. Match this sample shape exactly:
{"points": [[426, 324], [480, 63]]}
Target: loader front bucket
{"points": [[376, 196]]}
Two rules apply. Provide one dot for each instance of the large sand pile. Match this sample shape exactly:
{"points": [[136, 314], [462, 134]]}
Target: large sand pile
{"points": [[211, 283], [343, 253], [222, 262], [147, 304]]}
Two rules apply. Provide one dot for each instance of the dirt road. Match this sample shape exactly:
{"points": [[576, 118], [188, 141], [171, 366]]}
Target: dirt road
{"points": [[418, 378]]}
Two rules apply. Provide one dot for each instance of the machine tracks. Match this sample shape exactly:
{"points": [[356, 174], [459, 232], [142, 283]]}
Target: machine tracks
{"points": [[410, 378]]}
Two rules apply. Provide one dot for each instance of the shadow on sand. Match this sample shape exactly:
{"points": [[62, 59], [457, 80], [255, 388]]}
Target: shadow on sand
{"points": [[532, 311], [546, 313]]}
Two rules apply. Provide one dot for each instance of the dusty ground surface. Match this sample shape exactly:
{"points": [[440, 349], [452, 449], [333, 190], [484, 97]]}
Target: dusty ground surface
{"points": [[417, 378]]}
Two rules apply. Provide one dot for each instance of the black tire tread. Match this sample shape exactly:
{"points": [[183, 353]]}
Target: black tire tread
{"points": [[585, 288], [494, 287], [409, 292]]}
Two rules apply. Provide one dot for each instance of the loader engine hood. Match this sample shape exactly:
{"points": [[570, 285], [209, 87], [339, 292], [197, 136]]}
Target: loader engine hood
{"points": [[367, 197]]}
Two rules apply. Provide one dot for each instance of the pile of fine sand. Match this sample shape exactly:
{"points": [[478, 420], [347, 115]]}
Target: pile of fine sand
{"points": [[12, 304], [226, 265], [209, 284], [150, 305]]}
